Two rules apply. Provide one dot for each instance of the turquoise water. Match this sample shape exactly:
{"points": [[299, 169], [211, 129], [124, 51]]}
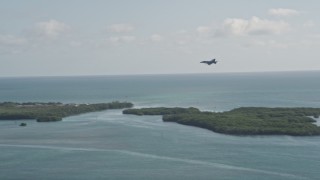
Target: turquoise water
{"points": [[109, 145]]}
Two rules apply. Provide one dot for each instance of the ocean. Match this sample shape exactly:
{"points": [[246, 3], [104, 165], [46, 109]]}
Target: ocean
{"points": [[110, 145]]}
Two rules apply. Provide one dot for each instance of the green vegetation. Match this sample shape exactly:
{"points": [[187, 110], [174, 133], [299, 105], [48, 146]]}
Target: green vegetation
{"points": [[242, 121], [23, 124], [161, 111], [48, 112]]}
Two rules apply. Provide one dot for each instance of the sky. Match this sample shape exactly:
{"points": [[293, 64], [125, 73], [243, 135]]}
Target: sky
{"points": [[123, 37]]}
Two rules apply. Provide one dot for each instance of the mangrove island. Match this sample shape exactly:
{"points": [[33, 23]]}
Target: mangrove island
{"points": [[48, 112], [242, 121]]}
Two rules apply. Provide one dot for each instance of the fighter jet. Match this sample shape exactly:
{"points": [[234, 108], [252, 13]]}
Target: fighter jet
{"points": [[210, 62]]}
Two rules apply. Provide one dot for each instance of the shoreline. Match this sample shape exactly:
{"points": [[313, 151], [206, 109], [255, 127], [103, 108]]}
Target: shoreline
{"points": [[52, 111], [242, 121], [166, 74]]}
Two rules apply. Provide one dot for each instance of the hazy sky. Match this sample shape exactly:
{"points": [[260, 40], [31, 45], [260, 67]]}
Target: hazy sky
{"points": [[102, 37]]}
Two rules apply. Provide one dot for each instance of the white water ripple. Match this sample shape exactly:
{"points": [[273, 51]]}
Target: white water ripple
{"points": [[153, 156]]}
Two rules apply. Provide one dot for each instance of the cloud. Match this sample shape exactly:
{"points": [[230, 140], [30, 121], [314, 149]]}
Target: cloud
{"points": [[156, 38], [121, 39], [183, 37], [51, 29], [203, 29], [10, 40], [283, 12], [268, 43], [120, 28], [317, 36], [75, 43], [309, 24], [10, 44], [253, 26]]}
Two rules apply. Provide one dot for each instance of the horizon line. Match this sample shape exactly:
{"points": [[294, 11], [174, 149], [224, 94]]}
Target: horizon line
{"points": [[157, 74]]}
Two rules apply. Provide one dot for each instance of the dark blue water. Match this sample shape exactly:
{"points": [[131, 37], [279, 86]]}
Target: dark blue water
{"points": [[109, 145]]}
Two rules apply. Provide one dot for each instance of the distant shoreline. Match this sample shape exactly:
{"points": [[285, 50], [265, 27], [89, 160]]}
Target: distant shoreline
{"points": [[165, 74]]}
